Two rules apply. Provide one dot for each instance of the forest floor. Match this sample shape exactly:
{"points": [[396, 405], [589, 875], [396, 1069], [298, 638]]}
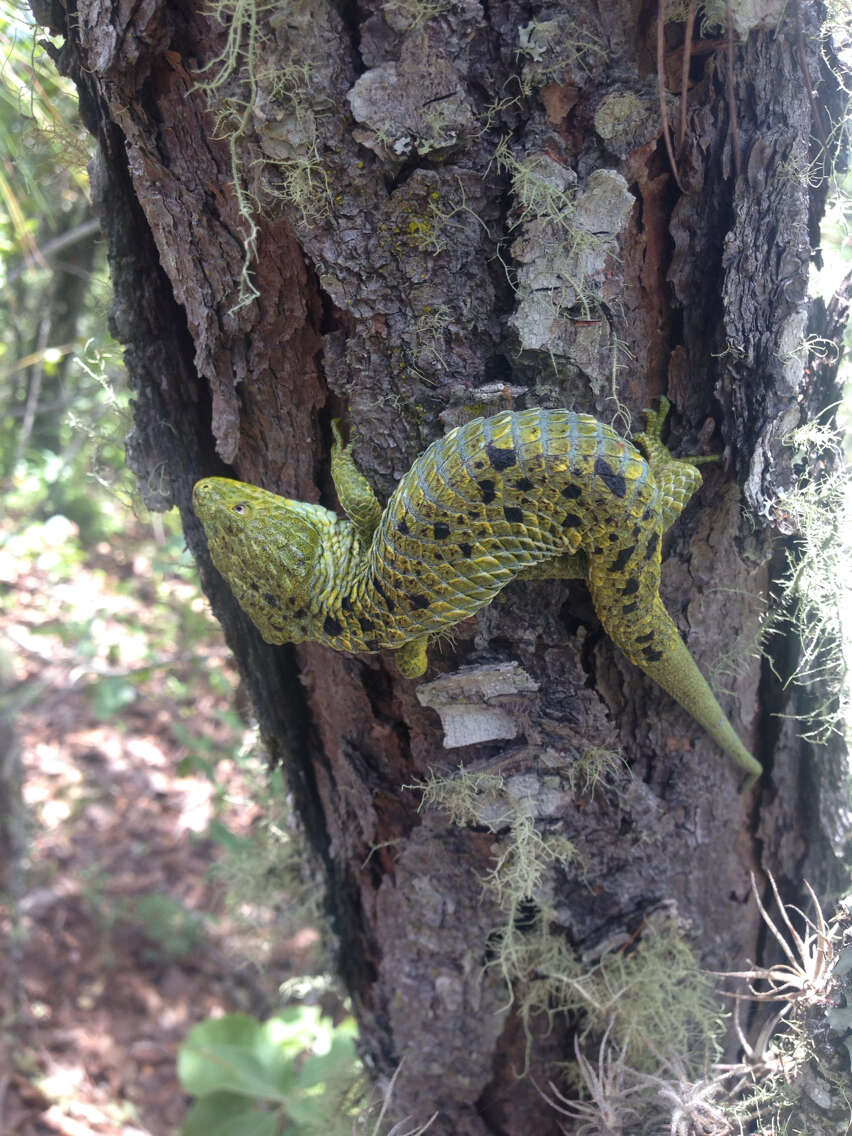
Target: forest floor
{"points": [[129, 785]]}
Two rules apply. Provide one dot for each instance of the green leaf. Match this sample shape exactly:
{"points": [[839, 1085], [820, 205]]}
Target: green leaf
{"points": [[226, 1114], [295, 1028], [276, 783], [221, 834], [110, 695], [312, 1111], [193, 763], [237, 1058], [233, 1053], [316, 1101], [337, 1064], [172, 928]]}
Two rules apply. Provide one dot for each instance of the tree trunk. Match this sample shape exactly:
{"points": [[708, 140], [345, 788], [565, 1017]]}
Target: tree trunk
{"points": [[407, 215]]}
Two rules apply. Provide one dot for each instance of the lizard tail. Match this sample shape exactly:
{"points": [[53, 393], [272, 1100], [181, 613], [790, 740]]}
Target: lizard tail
{"points": [[678, 674], [665, 658]]}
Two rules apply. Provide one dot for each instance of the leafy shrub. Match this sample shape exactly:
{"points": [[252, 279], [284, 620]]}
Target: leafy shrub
{"points": [[256, 1078]]}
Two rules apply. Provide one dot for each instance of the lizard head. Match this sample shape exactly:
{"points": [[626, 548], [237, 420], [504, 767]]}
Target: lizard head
{"points": [[267, 547]]}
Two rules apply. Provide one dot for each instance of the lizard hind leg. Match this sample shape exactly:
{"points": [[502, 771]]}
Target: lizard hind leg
{"points": [[411, 658], [677, 478]]}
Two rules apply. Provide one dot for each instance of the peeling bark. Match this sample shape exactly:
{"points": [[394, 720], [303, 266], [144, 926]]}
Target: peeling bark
{"points": [[455, 214]]}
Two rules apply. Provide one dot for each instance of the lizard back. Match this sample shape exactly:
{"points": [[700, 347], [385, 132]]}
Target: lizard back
{"points": [[496, 497]]}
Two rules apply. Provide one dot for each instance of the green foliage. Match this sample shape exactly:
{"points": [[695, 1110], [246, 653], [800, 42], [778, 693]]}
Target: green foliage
{"points": [[78, 470], [87, 611], [293, 1072], [56, 428], [813, 593], [172, 930], [271, 877], [110, 695], [44, 145], [273, 886], [168, 929], [203, 752], [64, 412]]}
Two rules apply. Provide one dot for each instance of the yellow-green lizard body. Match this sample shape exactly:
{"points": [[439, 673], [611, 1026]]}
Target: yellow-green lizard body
{"points": [[531, 493]]}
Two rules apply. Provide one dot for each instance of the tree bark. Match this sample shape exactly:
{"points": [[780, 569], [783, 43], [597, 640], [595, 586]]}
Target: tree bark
{"points": [[461, 208]]}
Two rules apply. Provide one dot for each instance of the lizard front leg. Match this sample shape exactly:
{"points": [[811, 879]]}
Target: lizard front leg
{"points": [[354, 491]]}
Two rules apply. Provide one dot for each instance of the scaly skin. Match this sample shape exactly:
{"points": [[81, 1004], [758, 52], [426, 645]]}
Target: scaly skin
{"points": [[533, 493]]}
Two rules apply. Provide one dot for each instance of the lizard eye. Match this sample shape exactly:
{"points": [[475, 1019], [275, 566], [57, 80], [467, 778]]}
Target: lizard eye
{"points": [[238, 508]]}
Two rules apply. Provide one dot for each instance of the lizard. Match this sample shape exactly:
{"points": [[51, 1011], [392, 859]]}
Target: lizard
{"points": [[523, 494]]}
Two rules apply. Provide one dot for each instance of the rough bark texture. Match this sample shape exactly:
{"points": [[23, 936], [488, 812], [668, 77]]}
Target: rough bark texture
{"points": [[418, 262]]}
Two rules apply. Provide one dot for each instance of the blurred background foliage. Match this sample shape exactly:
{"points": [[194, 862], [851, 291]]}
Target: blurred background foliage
{"points": [[66, 499], [61, 385]]}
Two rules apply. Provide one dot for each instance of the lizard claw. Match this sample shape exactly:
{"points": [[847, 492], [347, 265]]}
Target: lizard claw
{"points": [[656, 419]]}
